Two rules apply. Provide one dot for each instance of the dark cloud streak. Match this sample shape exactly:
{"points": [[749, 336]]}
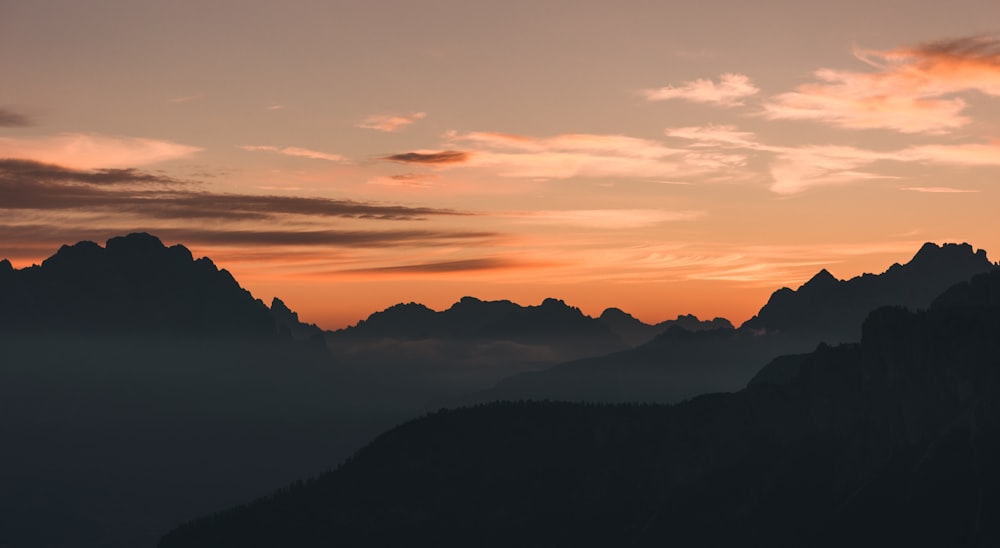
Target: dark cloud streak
{"points": [[197, 236], [10, 118], [431, 158], [983, 48], [466, 265], [32, 185]]}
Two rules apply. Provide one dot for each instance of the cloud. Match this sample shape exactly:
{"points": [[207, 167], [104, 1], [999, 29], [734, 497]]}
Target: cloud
{"points": [[586, 155], [410, 180], [714, 135], [92, 151], [464, 265], [199, 236], [9, 118], [443, 157], [187, 98], [296, 151], [391, 123], [794, 169], [911, 90], [605, 218], [730, 91], [938, 189], [32, 185], [968, 154], [28, 171]]}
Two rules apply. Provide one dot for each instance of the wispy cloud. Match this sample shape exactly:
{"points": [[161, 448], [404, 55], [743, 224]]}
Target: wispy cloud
{"points": [[92, 151], [35, 186], [715, 135], [586, 155], [296, 151], [252, 238], [730, 91], [462, 265], [443, 157], [187, 98], [939, 189], [794, 169], [391, 123], [605, 218], [9, 118], [968, 154], [910, 91], [411, 180]]}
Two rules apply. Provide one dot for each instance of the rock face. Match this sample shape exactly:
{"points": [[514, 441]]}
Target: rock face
{"points": [[892, 441], [134, 284]]}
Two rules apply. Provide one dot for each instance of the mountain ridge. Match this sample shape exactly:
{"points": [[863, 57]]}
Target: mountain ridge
{"points": [[887, 441], [673, 367]]}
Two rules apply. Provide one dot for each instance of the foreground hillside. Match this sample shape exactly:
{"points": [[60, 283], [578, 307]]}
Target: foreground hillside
{"points": [[889, 442]]}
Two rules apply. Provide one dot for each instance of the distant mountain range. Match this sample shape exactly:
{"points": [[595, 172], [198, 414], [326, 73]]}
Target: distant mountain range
{"points": [[679, 364], [140, 386], [892, 441], [473, 344]]}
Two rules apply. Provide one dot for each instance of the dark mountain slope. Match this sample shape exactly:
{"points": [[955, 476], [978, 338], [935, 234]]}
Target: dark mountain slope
{"points": [[890, 442], [287, 319], [675, 366]]}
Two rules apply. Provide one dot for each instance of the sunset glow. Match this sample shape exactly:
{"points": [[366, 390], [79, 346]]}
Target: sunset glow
{"points": [[660, 158]]}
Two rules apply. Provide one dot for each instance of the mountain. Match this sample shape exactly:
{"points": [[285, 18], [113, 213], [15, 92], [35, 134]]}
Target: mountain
{"points": [[287, 319], [679, 364], [470, 345], [134, 284], [635, 332], [825, 308], [892, 441], [140, 387]]}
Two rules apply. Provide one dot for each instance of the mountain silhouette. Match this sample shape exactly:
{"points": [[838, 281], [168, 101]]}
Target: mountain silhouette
{"points": [[134, 284], [635, 332], [288, 320], [678, 364], [828, 309], [891, 441], [472, 344], [140, 387]]}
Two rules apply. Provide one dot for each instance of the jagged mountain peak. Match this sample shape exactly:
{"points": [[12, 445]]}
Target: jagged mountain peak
{"points": [[615, 313], [277, 305], [833, 309], [823, 278], [947, 251]]}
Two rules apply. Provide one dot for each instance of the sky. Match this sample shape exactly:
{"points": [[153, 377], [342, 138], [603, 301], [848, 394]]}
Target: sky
{"points": [[660, 157]]}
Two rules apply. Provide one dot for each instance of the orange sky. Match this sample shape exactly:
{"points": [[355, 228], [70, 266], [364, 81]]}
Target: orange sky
{"points": [[664, 158]]}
